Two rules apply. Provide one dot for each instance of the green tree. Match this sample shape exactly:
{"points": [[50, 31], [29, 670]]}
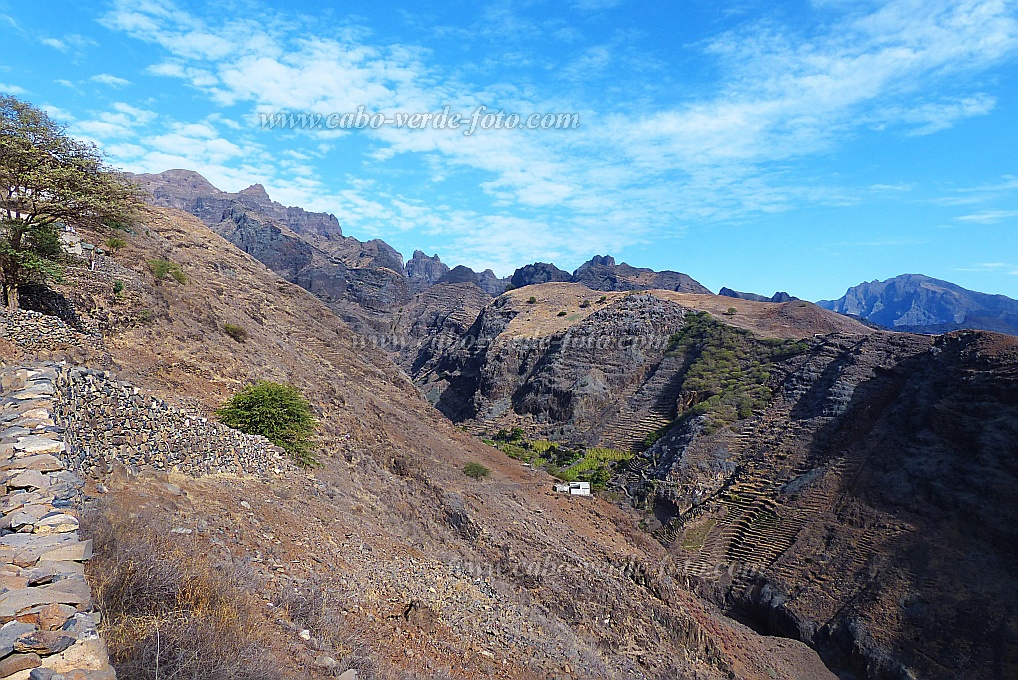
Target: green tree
{"points": [[47, 177], [28, 253], [114, 244], [278, 412]]}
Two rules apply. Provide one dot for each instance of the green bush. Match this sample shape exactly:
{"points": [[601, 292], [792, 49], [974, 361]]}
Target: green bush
{"points": [[113, 244], [584, 304], [118, 288], [163, 268], [562, 313], [602, 298], [531, 300], [280, 413], [475, 470], [238, 333], [732, 311]]}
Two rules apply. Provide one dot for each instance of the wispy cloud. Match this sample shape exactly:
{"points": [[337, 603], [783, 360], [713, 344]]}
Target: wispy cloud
{"points": [[11, 89], [110, 80], [989, 216], [988, 268], [979, 194]]}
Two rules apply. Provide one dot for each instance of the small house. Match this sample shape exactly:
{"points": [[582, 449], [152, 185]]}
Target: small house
{"points": [[574, 488]]}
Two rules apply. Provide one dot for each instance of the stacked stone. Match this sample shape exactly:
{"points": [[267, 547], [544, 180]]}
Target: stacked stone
{"points": [[107, 421], [48, 623], [37, 331]]}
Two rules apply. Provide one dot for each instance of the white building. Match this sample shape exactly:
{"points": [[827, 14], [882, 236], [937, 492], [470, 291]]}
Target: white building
{"points": [[574, 488]]}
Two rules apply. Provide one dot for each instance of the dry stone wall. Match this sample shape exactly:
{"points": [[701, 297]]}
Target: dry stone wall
{"points": [[108, 422], [37, 331], [49, 626]]}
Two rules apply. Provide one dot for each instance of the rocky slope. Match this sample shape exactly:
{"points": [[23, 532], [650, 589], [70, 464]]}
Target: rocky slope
{"points": [[426, 572], [814, 477], [360, 281], [920, 304]]}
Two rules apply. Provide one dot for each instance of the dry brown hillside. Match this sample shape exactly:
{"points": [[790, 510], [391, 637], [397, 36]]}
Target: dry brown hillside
{"points": [[388, 559]]}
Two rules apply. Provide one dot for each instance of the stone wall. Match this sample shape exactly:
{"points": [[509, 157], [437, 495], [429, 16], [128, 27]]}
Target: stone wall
{"points": [[36, 331], [49, 623], [107, 421]]}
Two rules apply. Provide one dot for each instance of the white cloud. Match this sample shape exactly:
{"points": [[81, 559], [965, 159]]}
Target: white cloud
{"points": [[74, 41], [989, 216], [624, 177], [112, 81], [8, 88]]}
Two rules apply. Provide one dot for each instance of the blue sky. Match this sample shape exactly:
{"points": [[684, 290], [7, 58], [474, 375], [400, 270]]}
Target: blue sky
{"points": [[802, 146]]}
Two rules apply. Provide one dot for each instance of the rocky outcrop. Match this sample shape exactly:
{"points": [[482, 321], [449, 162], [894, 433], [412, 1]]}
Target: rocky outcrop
{"points": [[424, 271], [491, 284], [49, 623], [777, 297], [539, 272], [461, 274], [601, 273], [921, 304]]}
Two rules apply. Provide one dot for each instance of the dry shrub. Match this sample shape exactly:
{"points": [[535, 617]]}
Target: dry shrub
{"points": [[168, 611]]}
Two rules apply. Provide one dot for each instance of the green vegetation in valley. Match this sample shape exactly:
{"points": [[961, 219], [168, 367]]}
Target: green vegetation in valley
{"points": [[695, 536], [280, 413], [564, 462], [727, 368]]}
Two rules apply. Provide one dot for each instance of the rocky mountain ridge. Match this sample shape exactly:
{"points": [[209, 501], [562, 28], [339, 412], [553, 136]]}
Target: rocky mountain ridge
{"points": [[364, 282], [780, 296], [921, 304]]}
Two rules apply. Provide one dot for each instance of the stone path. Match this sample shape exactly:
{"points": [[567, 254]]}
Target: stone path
{"points": [[48, 622]]}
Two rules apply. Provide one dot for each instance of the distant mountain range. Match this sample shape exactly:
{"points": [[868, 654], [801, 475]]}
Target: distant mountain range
{"points": [[921, 304], [364, 282], [367, 282]]}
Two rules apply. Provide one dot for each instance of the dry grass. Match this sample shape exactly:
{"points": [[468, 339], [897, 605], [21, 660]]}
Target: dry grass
{"points": [[168, 611]]}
